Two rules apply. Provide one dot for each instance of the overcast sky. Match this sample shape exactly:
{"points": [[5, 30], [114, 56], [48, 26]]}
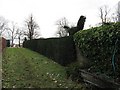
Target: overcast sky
{"points": [[47, 12]]}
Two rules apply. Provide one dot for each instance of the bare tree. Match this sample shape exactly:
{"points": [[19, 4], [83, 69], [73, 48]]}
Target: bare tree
{"points": [[12, 31], [3, 25], [31, 27], [61, 30], [20, 34], [118, 11], [116, 15], [103, 14], [104, 11]]}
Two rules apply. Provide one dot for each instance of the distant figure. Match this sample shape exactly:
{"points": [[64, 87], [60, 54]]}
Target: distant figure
{"points": [[25, 39], [80, 26]]}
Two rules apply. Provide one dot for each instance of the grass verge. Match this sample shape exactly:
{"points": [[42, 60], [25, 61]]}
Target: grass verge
{"points": [[23, 68]]}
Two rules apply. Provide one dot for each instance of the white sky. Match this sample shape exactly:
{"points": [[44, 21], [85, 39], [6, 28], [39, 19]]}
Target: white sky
{"points": [[47, 12]]}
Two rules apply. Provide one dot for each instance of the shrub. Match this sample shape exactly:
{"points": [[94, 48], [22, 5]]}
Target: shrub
{"points": [[98, 45], [73, 72]]}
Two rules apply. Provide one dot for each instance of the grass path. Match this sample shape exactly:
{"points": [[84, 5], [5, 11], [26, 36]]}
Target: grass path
{"points": [[25, 68]]}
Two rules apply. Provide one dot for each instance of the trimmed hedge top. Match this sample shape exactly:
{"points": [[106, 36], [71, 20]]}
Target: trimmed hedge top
{"points": [[98, 45]]}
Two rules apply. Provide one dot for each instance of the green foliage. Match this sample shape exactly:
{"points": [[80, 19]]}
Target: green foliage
{"points": [[61, 50], [73, 72], [97, 44]]}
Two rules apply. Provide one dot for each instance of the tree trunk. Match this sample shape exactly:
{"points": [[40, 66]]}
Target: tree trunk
{"points": [[19, 40]]}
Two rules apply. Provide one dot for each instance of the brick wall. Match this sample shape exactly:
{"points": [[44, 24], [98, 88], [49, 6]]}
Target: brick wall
{"points": [[2, 43]]}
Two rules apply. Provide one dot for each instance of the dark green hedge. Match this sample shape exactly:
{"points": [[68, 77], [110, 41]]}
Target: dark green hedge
{"points": [[61, 50], [98, 45]]}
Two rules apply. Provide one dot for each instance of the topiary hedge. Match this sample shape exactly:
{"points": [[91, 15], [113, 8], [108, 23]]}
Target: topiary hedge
{"points": [[98, 45]]}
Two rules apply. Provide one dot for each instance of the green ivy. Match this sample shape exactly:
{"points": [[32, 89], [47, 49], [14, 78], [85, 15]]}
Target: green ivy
{"points": [[97, 44]]}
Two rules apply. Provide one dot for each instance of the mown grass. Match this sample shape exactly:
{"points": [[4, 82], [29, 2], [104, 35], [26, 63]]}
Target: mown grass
{"points": [[23, 68]]}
